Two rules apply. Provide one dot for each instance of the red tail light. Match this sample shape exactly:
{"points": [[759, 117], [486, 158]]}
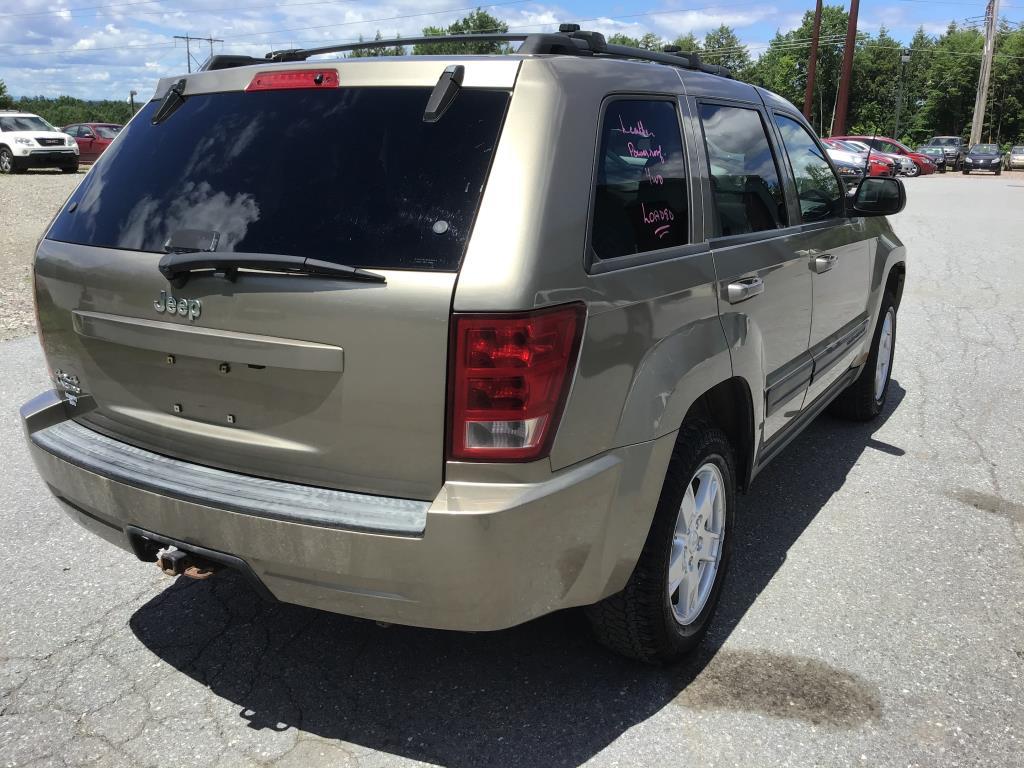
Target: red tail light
{"points": [[294, 78], [509, 378]]}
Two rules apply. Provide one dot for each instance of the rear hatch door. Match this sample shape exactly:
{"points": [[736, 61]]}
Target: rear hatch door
{"points": [[305, 378]]}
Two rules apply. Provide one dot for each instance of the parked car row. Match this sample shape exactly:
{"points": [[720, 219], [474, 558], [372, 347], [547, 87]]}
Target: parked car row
{"points": [[889, 157], [29, 141]]}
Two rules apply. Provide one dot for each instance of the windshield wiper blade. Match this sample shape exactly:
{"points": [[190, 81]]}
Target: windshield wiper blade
{"points": [[179, 266]]}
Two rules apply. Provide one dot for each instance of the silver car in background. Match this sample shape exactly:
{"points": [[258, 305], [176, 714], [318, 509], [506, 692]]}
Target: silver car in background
{"points": [[1015, 158]]}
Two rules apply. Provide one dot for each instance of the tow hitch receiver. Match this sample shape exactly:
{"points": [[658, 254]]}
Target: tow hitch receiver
{"points": [[177, 562]]}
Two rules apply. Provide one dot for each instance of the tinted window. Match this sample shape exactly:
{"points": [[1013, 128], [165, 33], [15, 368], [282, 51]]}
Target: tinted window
{"points": [[817, 187], [744, 178], [640, 198], [71, 130], [107, 131], [351, 175]]}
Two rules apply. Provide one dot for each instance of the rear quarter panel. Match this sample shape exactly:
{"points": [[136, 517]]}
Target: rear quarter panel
{"points": [[653, 342]]}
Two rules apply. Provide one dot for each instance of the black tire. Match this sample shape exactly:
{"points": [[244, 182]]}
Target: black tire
{"points": [[915, 172], [6, 161], [999, 171], [858, 402], [638, 622], [966, 171], [70, 168]]}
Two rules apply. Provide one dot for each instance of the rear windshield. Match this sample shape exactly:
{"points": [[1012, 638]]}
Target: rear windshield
{"points": [[945, 141], [349, 175]]}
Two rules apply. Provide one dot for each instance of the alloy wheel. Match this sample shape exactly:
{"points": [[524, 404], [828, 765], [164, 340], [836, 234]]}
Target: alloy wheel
{"points": [[697, 544], [884, 357]]}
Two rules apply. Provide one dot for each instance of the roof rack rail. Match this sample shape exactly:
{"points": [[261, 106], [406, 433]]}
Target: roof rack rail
{"points": [[570, 40]]}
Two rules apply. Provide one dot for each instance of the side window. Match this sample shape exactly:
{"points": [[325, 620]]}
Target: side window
{"points": [[744, 177], [72, 130], [820, 193], [640, 194], [887, 146]]}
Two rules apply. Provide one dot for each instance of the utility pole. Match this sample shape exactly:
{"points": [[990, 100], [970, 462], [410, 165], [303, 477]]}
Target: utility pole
{"points": [[812, 62], [904, 58], [991, 19], [839, 124], [131, 99], [188, 48]]}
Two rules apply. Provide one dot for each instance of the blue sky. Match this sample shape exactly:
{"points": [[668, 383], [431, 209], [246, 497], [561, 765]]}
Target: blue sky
{"points": [[104, 48]]}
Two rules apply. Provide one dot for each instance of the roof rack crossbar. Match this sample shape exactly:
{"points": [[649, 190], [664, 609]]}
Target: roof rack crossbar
{"points": [[569, 40], [301, 54]]}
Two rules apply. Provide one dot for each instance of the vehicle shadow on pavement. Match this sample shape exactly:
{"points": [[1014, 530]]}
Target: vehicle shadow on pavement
{"points": [[542, 694]]}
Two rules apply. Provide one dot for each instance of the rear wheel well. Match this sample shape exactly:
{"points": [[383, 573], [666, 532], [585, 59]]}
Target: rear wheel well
{"points": [[728, 406], [894, 282]]}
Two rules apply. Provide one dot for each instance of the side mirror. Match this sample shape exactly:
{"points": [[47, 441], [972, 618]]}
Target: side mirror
{"points": [[878, 196]]}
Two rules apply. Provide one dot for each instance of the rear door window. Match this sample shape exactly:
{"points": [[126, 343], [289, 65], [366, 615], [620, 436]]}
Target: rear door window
{"points": [[348, 175], [744, 177], [640, 193]]}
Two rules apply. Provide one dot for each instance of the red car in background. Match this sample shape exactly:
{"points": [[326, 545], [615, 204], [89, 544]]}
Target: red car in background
{"points": [[924, 164], [92, 138], [877, 165]]}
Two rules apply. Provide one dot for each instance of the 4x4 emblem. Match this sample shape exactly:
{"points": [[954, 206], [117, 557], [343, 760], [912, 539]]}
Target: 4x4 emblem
{"points": [[190, 308]]}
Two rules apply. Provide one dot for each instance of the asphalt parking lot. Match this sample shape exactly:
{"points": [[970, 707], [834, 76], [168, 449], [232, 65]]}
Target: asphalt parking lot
{"points": [[874, 615]]}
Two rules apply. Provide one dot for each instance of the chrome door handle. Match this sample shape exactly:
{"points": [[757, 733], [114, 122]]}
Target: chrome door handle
{"points": [[824, 262], [744, 289]]}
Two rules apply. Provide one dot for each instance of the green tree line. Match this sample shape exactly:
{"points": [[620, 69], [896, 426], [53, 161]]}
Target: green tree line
{"points": [[63, 110], [935, 89]]}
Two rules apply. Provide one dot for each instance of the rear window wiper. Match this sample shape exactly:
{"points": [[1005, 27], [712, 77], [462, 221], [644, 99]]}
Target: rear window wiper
{"points": [[173, 99], [177, 267]]}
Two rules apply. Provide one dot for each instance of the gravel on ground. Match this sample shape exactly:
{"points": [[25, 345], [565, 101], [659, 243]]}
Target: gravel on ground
{"points": [[27, 204]]}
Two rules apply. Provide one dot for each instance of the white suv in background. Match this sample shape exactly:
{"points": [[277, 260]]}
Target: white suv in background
{"points": [[28, 141]]}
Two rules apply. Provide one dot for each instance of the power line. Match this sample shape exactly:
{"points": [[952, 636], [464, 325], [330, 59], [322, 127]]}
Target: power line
{"points": [[72, 10], [14, 57]]}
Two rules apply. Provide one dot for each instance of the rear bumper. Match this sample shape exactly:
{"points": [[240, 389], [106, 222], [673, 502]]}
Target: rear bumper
{"points": [[486, 555], [46, 158]]}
